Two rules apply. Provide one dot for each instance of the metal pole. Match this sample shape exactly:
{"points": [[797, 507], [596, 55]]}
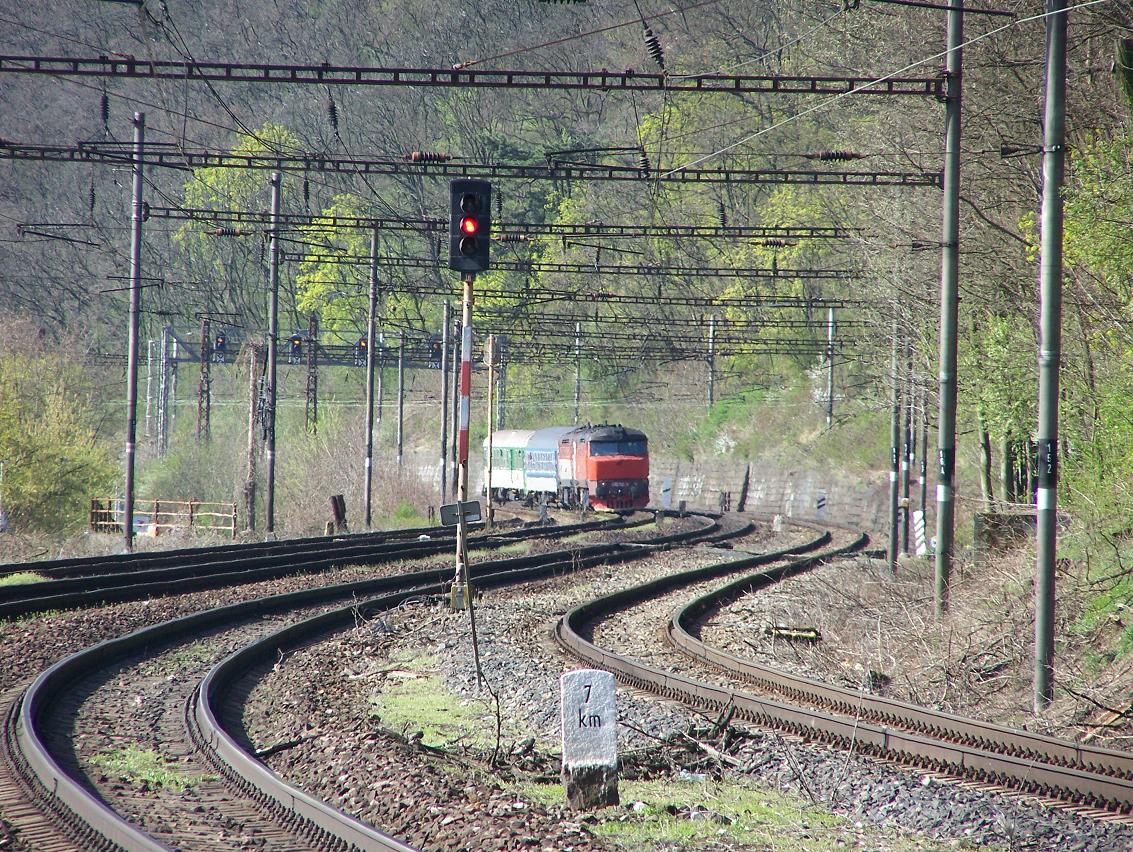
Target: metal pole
{"points": [[172, 404], [163, 392], [907, 455], [949, 311], [501, 381], [371, 356], [400, 397], [711, 361], [491, 425], [381, 355], [444, 397], [894, 447], [456, 351], [463, 593], [203, 387], [147, 430], [830, 367], [922, 476], [312, 424], [273, 344], [577, 370], [1050, 351], [250, 475], [135, 314]]}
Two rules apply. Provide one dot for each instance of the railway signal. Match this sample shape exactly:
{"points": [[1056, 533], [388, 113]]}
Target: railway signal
{"points": [[470, 225]]}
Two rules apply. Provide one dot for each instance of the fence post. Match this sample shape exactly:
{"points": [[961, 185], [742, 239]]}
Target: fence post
{"points": [[190, 516], [234, 520]]}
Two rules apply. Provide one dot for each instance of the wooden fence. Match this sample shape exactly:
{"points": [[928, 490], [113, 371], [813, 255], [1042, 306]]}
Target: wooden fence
{"points": [[159, 517]]}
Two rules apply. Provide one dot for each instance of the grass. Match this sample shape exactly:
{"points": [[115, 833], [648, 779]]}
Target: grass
{"points": [[654, 814], [138, 765], [665, 813], [414, 698], [22, 577]]}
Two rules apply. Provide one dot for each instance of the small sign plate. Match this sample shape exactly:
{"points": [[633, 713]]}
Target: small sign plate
{"points": [[451, 512]]}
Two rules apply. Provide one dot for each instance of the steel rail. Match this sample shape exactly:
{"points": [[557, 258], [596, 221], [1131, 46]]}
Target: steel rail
{"points": [[315, 162], [846, 730], [325, 74], [82, 565], [879, 710], [73, 801], [21, 599]]}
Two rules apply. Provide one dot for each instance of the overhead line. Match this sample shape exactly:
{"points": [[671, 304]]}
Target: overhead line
{"points": [[594, 268], [368, 75], [315, 162]]}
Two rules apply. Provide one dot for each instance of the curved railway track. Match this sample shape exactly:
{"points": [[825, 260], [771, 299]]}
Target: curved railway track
{"points": [[1072, 773], [91, 582], [92, 814]]}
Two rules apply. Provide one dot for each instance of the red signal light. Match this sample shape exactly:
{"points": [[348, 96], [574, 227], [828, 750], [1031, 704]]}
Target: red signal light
{"points": [[469, 226]]}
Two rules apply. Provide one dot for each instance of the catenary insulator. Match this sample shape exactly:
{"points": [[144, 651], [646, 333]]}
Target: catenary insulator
{"points": [[306, 192], [428, 157], [332, 113], [643, 164], [775, 242], [654, 48], [228, 232], [834, 156], [104, 109], [722, 214], [90, 196]]}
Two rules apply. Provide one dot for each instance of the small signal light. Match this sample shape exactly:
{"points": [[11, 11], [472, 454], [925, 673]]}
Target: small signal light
{"points": [[469, 226]]}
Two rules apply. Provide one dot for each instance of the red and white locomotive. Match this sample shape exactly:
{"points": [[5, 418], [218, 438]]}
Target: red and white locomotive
{"points": [[604, 466]]}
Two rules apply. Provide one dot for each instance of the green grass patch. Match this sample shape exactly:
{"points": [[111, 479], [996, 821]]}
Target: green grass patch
{"points": [[138, 765], [664, 814], [21, 577], [406, 514], [413, 697]]}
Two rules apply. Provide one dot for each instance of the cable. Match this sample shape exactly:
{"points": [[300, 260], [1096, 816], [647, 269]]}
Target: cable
{"points": [[835, 98], [586, 34]]}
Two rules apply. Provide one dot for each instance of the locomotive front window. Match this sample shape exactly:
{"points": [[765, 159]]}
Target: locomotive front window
{"points": [[617, 448]]}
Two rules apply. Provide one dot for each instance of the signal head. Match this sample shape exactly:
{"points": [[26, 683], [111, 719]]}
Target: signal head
{"points": [[470, 224]]}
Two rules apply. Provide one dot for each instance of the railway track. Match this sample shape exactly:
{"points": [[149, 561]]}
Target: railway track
{"points": [[230, 786], [92, 582], [1072, 773]]}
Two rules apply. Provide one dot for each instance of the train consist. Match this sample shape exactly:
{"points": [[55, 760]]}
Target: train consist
{"points": [[605, 466]]}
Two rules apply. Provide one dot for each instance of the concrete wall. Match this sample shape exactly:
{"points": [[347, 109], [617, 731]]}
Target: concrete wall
{"points": [[793, 492]]}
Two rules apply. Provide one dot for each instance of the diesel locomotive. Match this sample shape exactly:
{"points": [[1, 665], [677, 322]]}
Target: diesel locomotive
{"points": [[604, 466]]}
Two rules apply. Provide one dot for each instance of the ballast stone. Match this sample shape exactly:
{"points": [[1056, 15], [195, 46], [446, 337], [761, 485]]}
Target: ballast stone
{"points": [[589, 722]]}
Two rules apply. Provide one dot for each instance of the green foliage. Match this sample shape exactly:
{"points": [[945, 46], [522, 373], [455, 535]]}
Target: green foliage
{"points": [[234, 268], [406, 515], [1000, 358], [139, 766], [1099, 207], [21, 577], [56, 459]]}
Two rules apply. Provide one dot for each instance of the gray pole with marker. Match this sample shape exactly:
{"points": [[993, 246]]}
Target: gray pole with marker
{"points": [[949, 310], [1050, 351]]}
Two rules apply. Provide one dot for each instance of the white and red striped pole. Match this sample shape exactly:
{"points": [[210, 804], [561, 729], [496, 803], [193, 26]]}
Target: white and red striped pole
{"points": [[461, 591]]}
